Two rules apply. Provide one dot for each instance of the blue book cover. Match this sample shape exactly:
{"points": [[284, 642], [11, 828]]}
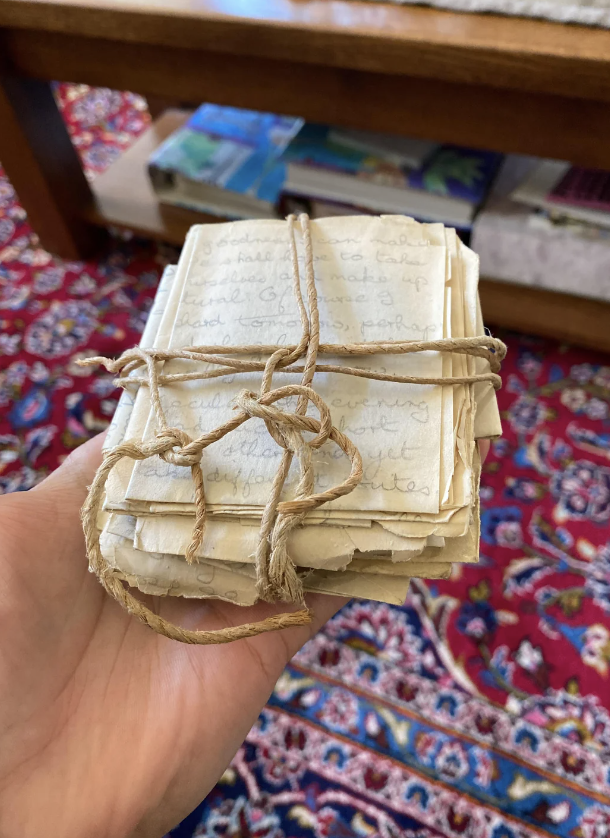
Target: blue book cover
{"points": [[450, 170], [234, 149], [458, 172]]}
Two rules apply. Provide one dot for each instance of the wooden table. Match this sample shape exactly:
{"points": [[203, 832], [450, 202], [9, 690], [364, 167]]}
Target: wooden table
{"points": [[509, 84]]}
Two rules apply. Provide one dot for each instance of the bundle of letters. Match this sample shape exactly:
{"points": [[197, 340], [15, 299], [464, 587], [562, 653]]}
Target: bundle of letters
{"points": [[302, 415]]}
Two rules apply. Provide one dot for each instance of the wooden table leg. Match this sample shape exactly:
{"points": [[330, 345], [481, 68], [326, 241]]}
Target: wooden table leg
{"points": [[43, 166]]}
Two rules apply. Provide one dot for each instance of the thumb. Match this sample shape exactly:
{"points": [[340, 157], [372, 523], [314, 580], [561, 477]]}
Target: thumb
{"points": [[42, 527], [69, 483], [56, 502]]}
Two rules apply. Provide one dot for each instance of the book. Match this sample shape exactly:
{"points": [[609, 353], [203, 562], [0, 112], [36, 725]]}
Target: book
{"points": [[448, 186], [581, 187], [320, 208], [226, 161], [569, 191], [401, 151]]}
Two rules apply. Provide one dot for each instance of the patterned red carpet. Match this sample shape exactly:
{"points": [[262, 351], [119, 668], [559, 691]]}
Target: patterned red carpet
{"points": [[480, 708]]}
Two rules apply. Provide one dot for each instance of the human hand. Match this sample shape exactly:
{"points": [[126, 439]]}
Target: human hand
{"points": [[106, 728]]}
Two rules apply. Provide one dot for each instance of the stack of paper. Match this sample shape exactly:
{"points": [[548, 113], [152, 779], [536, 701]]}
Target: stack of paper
{"points": [[415, 511]]}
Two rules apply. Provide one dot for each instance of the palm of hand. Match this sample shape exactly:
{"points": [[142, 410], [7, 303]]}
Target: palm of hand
{"points": [[107, 729]]}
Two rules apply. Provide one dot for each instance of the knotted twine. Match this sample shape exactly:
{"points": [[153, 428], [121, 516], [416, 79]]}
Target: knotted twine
{"points": [[277, 578]]}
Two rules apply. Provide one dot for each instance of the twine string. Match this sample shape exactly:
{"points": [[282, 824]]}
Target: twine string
{"points": [[277, 578]]}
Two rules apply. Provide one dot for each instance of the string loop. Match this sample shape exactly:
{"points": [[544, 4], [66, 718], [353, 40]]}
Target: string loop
{"points": [[186, 455]]}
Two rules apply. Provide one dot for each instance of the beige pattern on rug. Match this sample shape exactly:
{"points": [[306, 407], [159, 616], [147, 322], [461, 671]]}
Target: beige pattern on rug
{"points": [[590, 13]]}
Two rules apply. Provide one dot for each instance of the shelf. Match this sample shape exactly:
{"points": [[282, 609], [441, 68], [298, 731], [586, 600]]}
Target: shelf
{"points": [[124, 198], [538, 311], [495, 50]]}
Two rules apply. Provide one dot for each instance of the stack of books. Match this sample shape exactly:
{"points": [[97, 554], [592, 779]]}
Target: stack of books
{"points": [[567, 193], [244, 164], [547, 224]]}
